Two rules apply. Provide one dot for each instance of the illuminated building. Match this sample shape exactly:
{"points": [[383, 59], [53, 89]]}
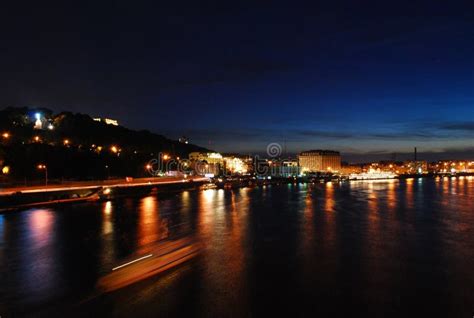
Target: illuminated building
{"points": [[209, 157], [206, 163], [284, 168], [235, 164], [417, 167], [183, 140], [320, 161], [450, 166], [38, 122], [108, 121]]}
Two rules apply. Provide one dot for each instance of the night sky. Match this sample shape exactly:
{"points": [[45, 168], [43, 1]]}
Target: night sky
{"points": [[367, 78]]}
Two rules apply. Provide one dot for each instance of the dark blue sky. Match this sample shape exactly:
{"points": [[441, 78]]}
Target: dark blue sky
{"points": [[366, 78]]}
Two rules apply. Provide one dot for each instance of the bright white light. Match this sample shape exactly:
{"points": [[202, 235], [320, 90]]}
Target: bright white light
{"points": [[37, 115], [214, 155], [134, 261]]}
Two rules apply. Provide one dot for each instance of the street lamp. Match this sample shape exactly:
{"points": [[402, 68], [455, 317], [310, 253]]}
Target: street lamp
{"points": [[6, 135], [45, 168]]}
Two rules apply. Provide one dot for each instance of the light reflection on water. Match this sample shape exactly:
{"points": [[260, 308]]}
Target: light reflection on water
{"points": [[386, 245]]}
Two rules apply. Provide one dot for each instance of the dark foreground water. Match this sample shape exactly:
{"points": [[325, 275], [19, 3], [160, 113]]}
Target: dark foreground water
{"points": [[371, 248]]}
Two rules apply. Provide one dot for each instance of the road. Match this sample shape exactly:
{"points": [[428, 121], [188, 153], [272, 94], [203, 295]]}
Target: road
{"points": [[80, 185]]}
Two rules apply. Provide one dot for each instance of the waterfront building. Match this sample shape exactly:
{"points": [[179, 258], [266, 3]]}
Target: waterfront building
{"points": [[452, 166], [285, 168], [235, 164], [206, 163], [416, 167], [351, 168], [208, 157], [319, 161]]}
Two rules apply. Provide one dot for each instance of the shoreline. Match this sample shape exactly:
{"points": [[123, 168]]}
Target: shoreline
{"points": [[27, 197]]}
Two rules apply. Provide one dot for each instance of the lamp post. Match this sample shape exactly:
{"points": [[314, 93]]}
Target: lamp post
{"points": [[45, 168]]}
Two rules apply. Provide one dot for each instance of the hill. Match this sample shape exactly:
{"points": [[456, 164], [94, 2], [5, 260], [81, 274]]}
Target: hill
{"points": [[77, 146]]}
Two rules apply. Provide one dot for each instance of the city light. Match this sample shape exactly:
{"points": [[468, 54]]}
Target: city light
{"points": [[114, 149], [166, 157], [50, 127], [6, 170], [41, 166], [66, 142], [37, 138], [38, 116], [6, 135], [215, 155]]}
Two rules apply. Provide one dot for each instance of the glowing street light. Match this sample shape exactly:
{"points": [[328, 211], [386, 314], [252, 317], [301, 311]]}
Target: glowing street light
{"points": [[114, 149], [166, 157], [45, 168], [66, 142], [6, 170], [37, 138], [6, 135]]}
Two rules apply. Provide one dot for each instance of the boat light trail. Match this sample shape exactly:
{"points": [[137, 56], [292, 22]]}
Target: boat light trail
{"points": [[134, 261]]}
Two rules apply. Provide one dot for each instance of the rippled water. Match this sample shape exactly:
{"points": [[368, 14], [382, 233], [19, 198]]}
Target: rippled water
{"points": [[376, 248]]}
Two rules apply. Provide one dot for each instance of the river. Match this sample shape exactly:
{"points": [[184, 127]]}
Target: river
{"points": [[373, 248]]}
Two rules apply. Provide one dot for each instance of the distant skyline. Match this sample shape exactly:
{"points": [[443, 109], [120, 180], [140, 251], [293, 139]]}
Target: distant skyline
{"points": [[366, 78]]}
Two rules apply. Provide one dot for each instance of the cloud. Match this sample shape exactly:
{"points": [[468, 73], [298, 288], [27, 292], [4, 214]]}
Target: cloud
{"points": [[458, 126]]}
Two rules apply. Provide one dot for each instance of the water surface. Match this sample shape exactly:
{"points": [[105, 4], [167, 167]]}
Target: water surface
{"points": [[371, 248]]}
